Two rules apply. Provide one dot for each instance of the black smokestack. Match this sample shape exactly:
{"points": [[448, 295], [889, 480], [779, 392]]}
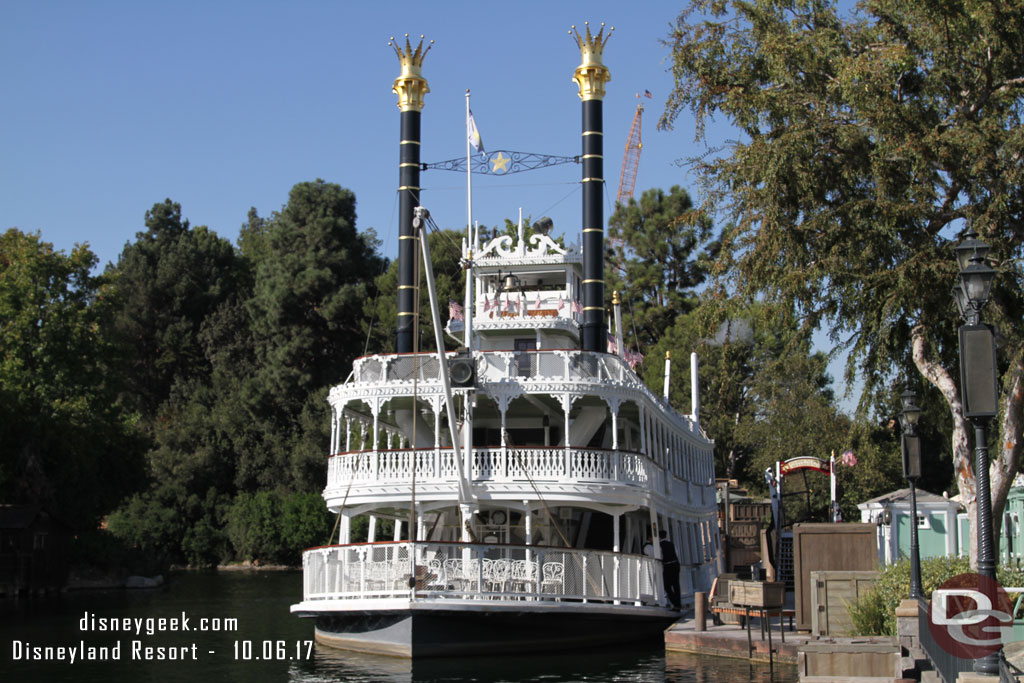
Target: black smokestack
{"points": [[408, 200], [410, 87], [590, 77], [594, 335]]}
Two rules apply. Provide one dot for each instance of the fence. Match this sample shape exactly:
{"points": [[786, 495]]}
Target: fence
{"points": [[468, 571]]}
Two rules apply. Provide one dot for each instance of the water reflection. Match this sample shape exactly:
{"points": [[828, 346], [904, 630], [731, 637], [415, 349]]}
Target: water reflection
{"points": [[640, 665], [260, 601]]}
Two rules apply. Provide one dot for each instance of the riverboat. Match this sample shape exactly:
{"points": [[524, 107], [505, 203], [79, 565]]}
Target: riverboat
{"points": [[522, 474]]}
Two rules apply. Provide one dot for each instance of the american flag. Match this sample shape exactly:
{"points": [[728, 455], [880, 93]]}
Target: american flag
{"points": [[454, 311], [538, 303], [634, 359], [576, 307], [561, 303], [612, 346]]}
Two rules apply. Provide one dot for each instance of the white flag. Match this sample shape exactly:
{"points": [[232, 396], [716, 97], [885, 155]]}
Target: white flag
{"points": [[474, 134]]}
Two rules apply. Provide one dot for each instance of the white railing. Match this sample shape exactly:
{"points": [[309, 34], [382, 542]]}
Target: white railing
{"points": [[469, 571], [565, 365], [547, 463]]}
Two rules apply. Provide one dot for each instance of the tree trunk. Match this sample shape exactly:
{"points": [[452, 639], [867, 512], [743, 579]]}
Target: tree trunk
{"points": [[962, 455], [1008, 448]]}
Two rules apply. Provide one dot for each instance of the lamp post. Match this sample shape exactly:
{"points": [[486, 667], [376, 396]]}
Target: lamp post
{"points": [[979, 394], [911, 447]]}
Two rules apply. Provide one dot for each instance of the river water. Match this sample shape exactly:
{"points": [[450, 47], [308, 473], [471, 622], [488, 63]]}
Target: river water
{"points": [[141, 634]]}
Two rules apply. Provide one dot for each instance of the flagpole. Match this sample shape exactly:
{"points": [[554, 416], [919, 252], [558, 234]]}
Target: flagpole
{"points": [[470, 242]]}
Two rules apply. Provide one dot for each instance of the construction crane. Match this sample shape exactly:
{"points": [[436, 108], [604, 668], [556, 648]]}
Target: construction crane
{"points": [[631, 157]]}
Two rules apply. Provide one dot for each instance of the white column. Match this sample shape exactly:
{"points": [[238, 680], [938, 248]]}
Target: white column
{"points": [[376, 429], [567, 408], [345, 528], [655, 528], [528, 523], [371, 532], [333, 448], [615, 549], [465, 522], [398, 530], [348, 435], [643, 432]]}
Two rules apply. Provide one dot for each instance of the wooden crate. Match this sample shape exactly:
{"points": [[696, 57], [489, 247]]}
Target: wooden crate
{"points": [[756, 593], [832, 593], [824, 547]]}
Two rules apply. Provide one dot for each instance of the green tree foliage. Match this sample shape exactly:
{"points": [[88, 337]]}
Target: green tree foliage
{"points": [[382, 311], [652, 261], [244, 413], [266, 527], [65, 442], [167, 283], [314, 273], [866, 143]]}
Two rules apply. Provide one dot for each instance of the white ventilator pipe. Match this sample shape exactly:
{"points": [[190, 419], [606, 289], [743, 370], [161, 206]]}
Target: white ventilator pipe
{"points": [[668, 373], [620, 346], [694, 390]]}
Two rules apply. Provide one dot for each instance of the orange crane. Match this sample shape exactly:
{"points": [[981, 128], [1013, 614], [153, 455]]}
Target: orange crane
{"points": [[631, 157]]}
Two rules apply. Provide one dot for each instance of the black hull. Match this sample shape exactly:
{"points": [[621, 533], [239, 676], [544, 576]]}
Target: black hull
{"points": [[443, 633]]}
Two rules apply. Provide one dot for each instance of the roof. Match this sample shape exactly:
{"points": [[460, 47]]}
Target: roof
{"points": [[903, 496]]}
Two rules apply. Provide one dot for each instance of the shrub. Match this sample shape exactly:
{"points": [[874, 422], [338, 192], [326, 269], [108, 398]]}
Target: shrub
{"points": [[875, 612], [254, 526], [305, 522]]}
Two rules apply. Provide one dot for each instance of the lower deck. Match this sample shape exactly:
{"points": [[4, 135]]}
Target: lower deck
{"points": [[346, 577]]}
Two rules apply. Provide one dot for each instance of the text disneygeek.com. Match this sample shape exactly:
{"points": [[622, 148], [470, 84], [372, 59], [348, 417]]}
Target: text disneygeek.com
{"points": [[137, 649]]}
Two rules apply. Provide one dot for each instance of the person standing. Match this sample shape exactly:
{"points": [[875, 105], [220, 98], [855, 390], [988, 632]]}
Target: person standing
{"points": [[670, 570]]}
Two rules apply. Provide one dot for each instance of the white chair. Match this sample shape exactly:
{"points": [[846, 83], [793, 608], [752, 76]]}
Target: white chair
{"points": [[553, 578], [524, 576], [453, 573], [496, 574]]}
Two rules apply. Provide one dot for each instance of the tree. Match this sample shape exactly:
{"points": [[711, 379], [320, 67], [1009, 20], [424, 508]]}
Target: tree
{"points": [[651, 258], [868, 143], [449, 277], [167, 283], [65, 442], [313, 274]]}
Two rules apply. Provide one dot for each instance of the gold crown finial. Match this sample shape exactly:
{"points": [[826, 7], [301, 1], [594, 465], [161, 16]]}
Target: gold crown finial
{"points": [[591, 46], [668, 355], [591, 74], [410, 86], [615, 297]]}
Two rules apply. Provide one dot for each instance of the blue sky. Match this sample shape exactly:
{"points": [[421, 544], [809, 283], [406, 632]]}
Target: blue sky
{"points": [[109, 107], [221, 106]]}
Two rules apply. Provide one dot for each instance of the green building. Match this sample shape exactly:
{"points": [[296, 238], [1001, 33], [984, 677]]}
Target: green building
{"points": [[937, 530]]}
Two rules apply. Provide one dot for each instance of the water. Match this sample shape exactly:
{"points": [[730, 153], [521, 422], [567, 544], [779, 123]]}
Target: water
{"points": [[269, 644]]}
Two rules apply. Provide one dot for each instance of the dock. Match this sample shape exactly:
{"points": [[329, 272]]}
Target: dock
{"points": [[730, 640]]}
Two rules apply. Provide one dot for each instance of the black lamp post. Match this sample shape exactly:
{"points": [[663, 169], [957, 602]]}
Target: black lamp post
{"points": [[980, 395], [911, 447]]}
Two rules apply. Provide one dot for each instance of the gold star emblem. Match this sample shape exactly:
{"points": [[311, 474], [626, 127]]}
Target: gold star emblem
{"points": [[500, 163]]}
